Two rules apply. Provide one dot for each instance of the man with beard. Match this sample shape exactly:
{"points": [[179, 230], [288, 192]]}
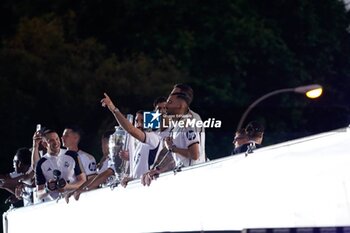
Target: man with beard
{"points": [[56, 172], [182, 142], [188, 91]]}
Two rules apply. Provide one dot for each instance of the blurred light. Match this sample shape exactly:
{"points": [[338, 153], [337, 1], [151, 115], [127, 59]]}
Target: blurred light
{"points": [[314, 93]]}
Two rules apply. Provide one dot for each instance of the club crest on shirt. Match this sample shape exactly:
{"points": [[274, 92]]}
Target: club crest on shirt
{"points": [[66, 164], [191, 135], [92, 166]]}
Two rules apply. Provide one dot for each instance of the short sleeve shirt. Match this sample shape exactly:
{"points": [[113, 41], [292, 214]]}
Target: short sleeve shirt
{"points": [[67, 163], [88, 162], [184, 137]]}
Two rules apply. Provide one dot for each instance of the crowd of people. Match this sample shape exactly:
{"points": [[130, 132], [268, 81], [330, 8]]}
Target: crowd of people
{"points": [[47, 172]]}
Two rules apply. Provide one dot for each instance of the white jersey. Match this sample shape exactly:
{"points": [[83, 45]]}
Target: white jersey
{"points": [[28, 191], [68, 166], [141, 157], [140, 160], [157, 137], [184, 137], [201, 131], [106, 164], [36, 200], [88, 162]]}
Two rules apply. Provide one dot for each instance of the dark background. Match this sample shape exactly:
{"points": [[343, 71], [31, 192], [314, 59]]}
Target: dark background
{"points": [[58, 57]]}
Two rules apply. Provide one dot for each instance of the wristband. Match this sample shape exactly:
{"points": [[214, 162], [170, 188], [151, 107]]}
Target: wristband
{"points": [[115, 110]]}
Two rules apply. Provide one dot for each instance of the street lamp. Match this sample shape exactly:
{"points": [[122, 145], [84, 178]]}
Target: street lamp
{"points": [[311, 91]]}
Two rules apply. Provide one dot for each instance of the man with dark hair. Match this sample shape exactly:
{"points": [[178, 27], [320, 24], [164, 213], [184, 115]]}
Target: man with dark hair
{"points": [[153, 139], [23, 157], [159, 104], [185, 89], [239, 140], [182, 142], [104, 175], [56, 172], [253, 132], [71, 137], [12, 181], [185, 92]]}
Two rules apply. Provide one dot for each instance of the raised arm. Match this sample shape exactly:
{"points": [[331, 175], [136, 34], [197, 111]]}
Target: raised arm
{"points": [[123, 122], [35, 150]]}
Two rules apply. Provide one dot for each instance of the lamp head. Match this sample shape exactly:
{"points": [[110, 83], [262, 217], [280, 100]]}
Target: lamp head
{"points": [[311, 91]]}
